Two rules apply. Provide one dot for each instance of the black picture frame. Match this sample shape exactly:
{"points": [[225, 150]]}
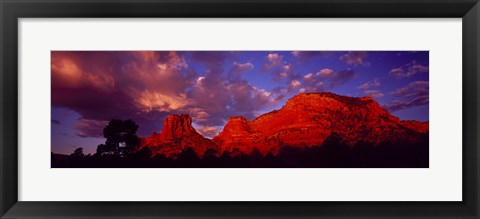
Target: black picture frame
{"points": [[12, 10]]}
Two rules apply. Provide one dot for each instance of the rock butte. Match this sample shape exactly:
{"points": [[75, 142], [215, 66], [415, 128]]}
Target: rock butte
{"points": [[177, 134], [306, 120]]}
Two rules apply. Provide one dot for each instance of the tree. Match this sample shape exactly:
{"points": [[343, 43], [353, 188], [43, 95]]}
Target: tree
{"points": [[78, 153], [121, 138], [76, 158], [102, 149], [187, 158]]}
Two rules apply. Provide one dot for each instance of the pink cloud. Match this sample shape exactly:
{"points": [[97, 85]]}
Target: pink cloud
{"points": [[68, 73], [208, 131], [100, 86], [368, 84], [374, 93], [308, 76], [293, 85], [323, 80], [151, 100], [325, 73], [242, 67], [273, 60], [276, 66]]}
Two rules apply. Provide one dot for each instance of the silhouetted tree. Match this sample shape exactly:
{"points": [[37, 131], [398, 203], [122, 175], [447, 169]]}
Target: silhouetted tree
{"points": [[121, 138], [78, 153], [102, 149], [76, 158], [187, 157]]}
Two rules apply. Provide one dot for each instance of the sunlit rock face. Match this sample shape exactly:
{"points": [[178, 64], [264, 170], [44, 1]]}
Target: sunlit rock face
{"points": [[306, 120], [177, 134]]}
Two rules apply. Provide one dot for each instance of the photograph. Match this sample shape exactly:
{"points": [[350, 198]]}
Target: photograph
{"points": [[239, 109]]}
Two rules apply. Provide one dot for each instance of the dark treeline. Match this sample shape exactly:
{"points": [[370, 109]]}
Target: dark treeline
{"points": [[121, 140]]}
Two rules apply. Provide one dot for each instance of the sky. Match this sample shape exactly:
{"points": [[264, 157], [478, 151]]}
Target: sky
{"points": [[89, 88]]}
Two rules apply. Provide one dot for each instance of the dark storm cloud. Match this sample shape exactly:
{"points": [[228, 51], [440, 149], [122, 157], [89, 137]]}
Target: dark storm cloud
{"points": [[148, 86]]}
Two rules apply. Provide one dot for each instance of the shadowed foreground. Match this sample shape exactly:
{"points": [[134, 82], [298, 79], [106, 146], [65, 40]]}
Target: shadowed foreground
{"points": [[331, 154]]}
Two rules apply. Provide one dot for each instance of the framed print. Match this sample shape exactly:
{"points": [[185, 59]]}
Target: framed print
{"points": [[227, 117], [240, 109]]}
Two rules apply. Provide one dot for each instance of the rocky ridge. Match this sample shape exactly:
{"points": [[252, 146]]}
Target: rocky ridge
{"points": [[306, 120]]}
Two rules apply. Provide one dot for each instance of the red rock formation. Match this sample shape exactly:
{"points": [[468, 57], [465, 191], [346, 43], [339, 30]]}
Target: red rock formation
{"points": [[421, 127], [176, 126], [177, 134], [308, 119]]}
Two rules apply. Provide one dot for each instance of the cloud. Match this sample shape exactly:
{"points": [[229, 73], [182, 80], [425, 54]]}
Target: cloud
{"points": [[293, 85], [303, 56], [273, 60], [413, 89], [284, 73], [208, 131], [69, 74], [414, 94], [90, 128], [342, 77], [308, 76], [279, 98], [100, 86], [55, 122], [355, 58], [241, 67], [215, 99], [151, 100], [325, 73], [374, 93], [278, 68], [325, 79], [198, 114], [408, 70], [368, 84], [148, 86], [405, 104], [212, 59]]}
